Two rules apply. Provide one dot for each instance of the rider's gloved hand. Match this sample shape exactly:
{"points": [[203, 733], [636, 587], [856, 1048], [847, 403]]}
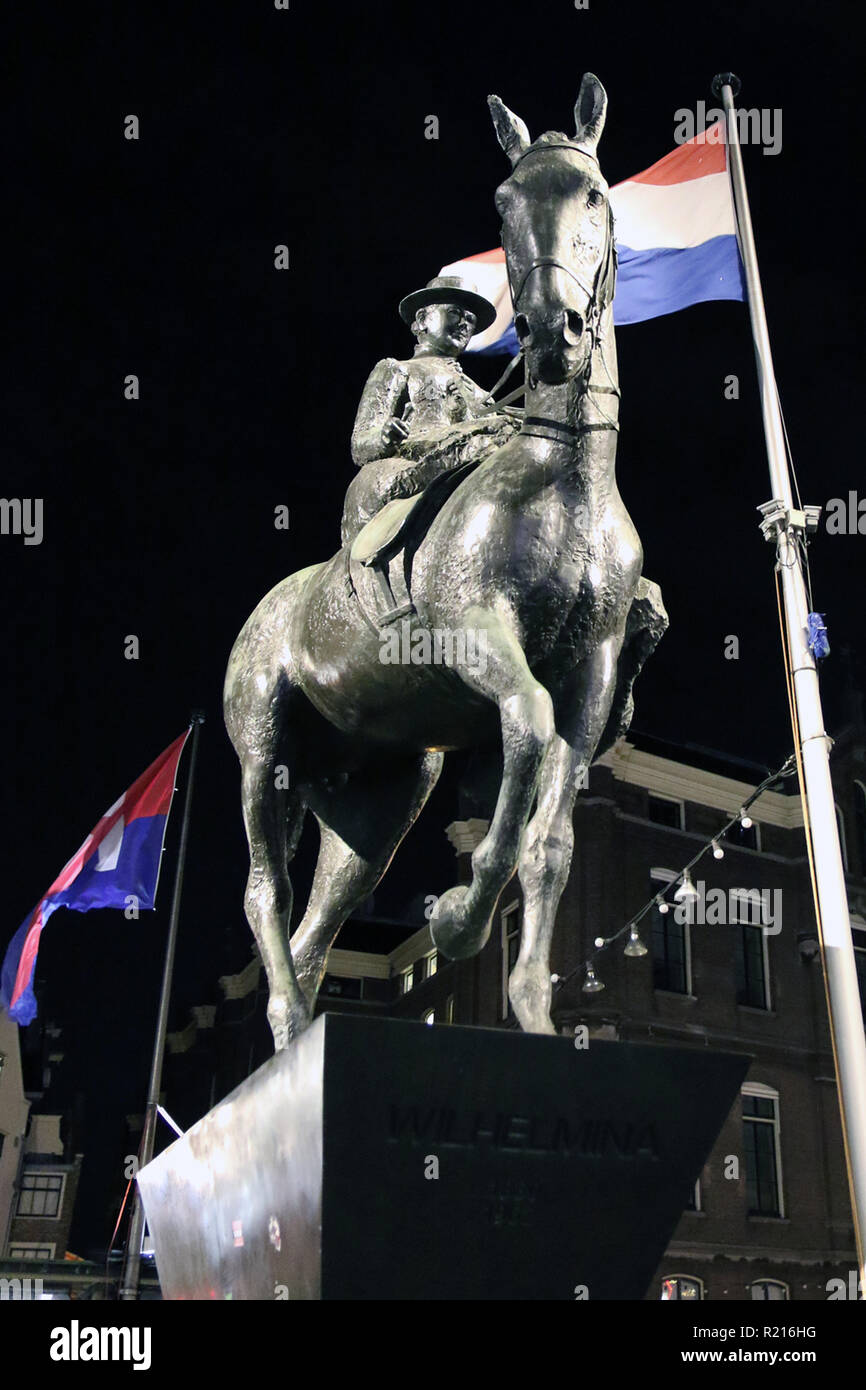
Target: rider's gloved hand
{"points": [[395, 431]]}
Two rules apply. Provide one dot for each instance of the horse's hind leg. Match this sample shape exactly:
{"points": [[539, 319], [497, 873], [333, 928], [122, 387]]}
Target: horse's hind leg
{"points": [[461, 922], [273, 818], [361, 824]]}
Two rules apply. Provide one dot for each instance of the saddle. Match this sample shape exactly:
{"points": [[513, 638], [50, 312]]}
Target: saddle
{"points": [[401, 525]]}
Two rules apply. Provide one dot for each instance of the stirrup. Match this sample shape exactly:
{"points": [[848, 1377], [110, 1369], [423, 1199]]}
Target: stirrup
{"points": [[393, 609]]}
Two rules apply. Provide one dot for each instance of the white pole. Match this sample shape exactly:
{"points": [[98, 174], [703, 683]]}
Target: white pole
{"points": [[846, 1018]]}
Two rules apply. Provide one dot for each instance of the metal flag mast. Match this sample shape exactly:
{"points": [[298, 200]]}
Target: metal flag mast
{"points": [[787, 526], [132, 1258]]}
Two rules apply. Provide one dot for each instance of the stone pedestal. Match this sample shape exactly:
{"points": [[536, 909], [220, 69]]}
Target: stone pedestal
{"points": [[387, 1159]]}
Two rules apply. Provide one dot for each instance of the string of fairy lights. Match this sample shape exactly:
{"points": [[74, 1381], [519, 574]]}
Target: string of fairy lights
{"points": [[684, 890]]}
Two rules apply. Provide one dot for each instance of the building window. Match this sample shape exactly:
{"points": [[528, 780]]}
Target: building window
{"points": [[341, 987], [2, 1142], [751, 967], [429, 1017], [670, 940], [749, 838], [406, 979], [694, 1201], [40, 1194], [671, 946], [31, 1252], [449, 1009], [860, 822], [752, 964], [431, 964], [761, 1149], [510, 950], [682, 1286], [770, 1288], [662, 811], [670, 954]]}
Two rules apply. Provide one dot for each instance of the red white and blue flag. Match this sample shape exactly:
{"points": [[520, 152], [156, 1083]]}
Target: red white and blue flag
{"points": [[117, 865], [676, 242]]}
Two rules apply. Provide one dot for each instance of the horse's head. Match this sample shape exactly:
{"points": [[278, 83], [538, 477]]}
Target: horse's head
{"points": [[557, 232]]}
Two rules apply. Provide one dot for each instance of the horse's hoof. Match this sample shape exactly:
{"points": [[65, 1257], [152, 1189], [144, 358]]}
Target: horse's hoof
{"points": [[288, 1021], [530, 998], [455, 932]]}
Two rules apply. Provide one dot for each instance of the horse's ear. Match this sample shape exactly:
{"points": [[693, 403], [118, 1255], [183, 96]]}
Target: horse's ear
{"points": [[590, 110], [511, 131]]}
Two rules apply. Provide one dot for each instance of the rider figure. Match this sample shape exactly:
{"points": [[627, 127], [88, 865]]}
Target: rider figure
{"points": [[424, 416]]}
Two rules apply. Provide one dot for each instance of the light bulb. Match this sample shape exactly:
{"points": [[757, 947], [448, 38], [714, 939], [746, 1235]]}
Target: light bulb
{"points": [[592, 984], [745, 819], [599, 942], [663, 906], [686, 889], [635, 946], [718, 852]]}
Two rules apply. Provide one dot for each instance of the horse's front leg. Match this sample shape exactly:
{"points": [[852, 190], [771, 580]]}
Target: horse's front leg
{"points": [[461, 921], [583, 705]]}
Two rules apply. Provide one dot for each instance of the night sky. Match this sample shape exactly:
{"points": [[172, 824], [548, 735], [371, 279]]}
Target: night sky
{"points": [[156, 257]]}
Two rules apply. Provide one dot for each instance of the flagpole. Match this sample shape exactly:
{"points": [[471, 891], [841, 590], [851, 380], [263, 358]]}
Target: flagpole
{"points": [[787, 525], [132, 1257]]}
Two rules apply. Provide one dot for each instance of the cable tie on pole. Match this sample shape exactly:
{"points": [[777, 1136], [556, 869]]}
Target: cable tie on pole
{"points": [[822, 737]]}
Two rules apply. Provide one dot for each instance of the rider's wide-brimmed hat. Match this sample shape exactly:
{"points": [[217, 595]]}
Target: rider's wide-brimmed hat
{"points": [[449, 289]]}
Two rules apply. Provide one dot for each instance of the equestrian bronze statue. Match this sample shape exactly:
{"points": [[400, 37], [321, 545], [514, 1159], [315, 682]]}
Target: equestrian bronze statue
{"points": [[529, 553]]}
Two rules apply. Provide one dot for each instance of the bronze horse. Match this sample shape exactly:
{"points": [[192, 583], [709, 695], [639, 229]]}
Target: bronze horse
{"points": [[534, 553]]}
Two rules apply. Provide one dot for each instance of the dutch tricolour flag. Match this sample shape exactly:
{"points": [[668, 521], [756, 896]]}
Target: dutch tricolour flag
{"points": [[118, 863], [675, 238]]}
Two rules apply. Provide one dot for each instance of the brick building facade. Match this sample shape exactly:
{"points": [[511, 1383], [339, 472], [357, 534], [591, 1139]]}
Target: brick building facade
{"points": [[46, 1191]]}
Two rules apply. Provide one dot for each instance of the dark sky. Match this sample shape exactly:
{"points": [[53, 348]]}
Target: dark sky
{"points": [[155, 257]]}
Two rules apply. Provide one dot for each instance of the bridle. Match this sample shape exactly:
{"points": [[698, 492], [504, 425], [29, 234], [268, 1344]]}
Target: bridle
{"points": [[537, 264], [599, 295]]}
